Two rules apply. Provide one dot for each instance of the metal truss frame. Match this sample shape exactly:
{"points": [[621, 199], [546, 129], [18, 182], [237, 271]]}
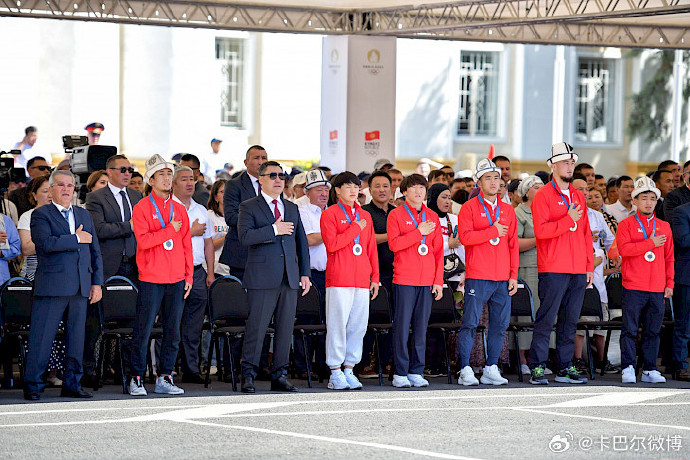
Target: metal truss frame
{"points": [[619, 23]]}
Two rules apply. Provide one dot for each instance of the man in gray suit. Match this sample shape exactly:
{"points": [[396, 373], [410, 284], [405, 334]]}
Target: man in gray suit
{"points": [[277, 264], [111, 211]]}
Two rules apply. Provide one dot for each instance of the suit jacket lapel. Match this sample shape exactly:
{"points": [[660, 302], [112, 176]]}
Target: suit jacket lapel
{"points": [[110, 198], [266, 208], [60, 218], [248, 184]]}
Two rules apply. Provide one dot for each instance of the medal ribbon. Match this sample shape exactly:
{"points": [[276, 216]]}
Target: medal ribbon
{"points": [[158, 212], [644, 231], [480, 197], [414, 221], [349, 220]]}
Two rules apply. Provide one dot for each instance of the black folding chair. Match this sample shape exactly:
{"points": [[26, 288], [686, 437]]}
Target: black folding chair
{"points": [[521, 304], [591, 306], [309, 322], [16, 298], [118, 311], [444, 318], [228, 312], [380, 323]]}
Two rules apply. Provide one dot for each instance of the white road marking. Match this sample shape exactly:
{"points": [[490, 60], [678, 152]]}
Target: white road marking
{"points": [[613, 399], [375, 445], [211, 411], [602, 419]]}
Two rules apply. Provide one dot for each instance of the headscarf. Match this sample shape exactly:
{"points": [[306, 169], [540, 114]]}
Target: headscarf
{"points": [[432, 198]]}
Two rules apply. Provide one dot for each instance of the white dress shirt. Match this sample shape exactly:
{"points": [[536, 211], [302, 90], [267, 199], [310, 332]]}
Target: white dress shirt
{"points": [[311, 221], [196, 211], [271, 206], [619, 211], [116, 192], [72, 222]]}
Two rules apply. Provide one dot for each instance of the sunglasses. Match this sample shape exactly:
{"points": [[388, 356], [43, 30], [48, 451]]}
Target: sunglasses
{"points": [[41, 168], [275, 175], [124, 169]]}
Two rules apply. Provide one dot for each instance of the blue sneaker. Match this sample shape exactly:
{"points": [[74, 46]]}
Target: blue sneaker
{"points": [[570, 375], [538, 377]]}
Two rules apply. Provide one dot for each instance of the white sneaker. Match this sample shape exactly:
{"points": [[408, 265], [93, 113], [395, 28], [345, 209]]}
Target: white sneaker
{"points": [[467, 377], [628, 375], [653, 377], [401, 381], [352, 380], [136, 387], [337, 381], [524, 368], [492, 376], [417, 380], [165, 385]]}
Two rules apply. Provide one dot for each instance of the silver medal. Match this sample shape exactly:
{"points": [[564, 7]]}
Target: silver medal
{"points": [[649, 256], [168, 245], [574, 227], [494, 241], [357, 249], [423, 249]]}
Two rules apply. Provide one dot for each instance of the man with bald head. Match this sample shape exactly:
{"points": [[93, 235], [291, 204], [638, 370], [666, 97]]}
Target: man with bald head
{"points": [[242, 188]]}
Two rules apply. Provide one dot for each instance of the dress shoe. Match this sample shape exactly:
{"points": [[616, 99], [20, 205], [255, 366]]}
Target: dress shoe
{"points": [[88, 381], [31, 395], [682, 374], [67, 393], [193, 378], [248, 385], [282, 384]]}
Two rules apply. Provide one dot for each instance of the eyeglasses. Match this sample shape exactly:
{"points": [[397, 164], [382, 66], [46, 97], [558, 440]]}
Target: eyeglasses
{"points": [[124, 169], [451, 174], [41, 168], [63, 185], [275, 175]]}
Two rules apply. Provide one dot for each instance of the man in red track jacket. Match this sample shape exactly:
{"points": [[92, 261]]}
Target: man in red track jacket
{"points": [[565, 261], [164, 257], [646, 245], [488, 230], [414, 236], [352, 271]]}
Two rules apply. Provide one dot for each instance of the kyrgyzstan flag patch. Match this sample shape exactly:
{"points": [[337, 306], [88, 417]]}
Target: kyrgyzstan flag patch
{"points": [[372, 136]]}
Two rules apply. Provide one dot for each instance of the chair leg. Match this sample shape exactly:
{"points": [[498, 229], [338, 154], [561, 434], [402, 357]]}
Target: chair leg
{"points": [[122, 365], [307, 359], [99, 366], [22, 358], [232, 365], [219, 360], [207, 380], [519, 360], [378, 358], [606, 349], [446, 352], [590, 357]]}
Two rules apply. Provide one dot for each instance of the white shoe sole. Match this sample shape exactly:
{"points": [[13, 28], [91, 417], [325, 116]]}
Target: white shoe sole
{"points": [[648, 380], [333, 387], [490, 381], [181, 392], [568, 380], [629, 381], [535, 382], [423, 385], [404, 385], [465, 383]]}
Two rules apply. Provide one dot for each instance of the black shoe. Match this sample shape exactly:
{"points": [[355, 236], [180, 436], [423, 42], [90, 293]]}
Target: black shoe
{"points": [[75, 394], [282, 384], [31, 395], [88, 381], [608, 367], [682, 374], [248, 385], [580, 365], [570, 375], [193, 378]]}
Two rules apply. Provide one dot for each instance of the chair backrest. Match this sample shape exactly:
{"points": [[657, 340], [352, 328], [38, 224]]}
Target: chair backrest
{"points": [[614, 291], [15, 303], [227, 302], [668, 310], [522, 303], [119, 302], [379, 308], [309, 307], [443, 310], [591, 305]]}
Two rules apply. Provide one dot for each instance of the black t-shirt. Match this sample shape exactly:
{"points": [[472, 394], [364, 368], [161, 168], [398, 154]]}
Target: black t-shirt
{"points": [[380, 218]]}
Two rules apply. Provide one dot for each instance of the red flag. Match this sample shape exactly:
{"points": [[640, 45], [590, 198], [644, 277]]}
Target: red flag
{"points": [[333, 134], [491, 152], [372, 136]]}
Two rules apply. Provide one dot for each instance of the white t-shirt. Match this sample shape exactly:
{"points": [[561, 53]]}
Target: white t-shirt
{"points": [[196, 211], [219, 228], [311, 221], [30, 262], [210, 163]]}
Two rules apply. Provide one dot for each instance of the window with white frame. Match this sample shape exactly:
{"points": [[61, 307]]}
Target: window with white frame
{"points": [[230, 54], [595, 99], [479, 84]]}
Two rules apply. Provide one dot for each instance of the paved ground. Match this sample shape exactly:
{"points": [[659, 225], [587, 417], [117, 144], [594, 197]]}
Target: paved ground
{"points": [[601, 420]]}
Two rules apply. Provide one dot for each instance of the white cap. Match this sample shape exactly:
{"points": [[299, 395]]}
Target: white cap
{"points": [[381, 162], [560, 152], [315, 177], [156, 163], [485, 166], [527, 184], [299, 179], [645, 184]]}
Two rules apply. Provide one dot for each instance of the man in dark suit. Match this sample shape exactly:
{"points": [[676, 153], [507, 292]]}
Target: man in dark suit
{"points": [[242, 188], [69, 273], [201, 194], [36, 167], [111, 210], [664, 182], [681, 298], [277, 263], [678, 196]]}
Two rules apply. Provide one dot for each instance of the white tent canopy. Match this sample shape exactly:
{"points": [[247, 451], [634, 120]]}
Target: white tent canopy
{"points": [[620, 23]]}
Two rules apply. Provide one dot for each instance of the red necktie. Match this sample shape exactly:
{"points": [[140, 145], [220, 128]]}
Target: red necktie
{"points": [[276, 212], [259, 190]]}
